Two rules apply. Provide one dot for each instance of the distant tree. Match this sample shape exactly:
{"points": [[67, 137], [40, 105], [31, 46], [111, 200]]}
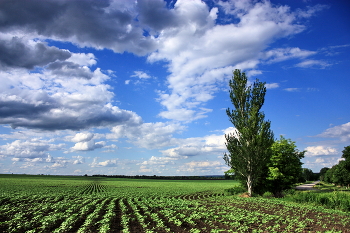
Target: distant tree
{"points": [[285, 167], [307, 174], [249, 145], [346, 164], [323, 172], [346, 153], [229, 174], [328, 177], [339, 174]]}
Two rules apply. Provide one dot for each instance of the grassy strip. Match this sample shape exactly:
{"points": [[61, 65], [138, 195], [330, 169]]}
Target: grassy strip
{"points": [[334, 200]]}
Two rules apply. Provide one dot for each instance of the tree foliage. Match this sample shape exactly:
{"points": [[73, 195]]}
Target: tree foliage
{"points": [[339, 174], [285, 167], [323, 172], [249, 145], [307, 174], [229, 174]]}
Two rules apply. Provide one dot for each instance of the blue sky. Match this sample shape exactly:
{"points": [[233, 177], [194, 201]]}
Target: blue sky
{"points": [[141, 87]]}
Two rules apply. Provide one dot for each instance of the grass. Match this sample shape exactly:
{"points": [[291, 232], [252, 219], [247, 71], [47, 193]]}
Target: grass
{"points": [[322, 186], [326, 195]]}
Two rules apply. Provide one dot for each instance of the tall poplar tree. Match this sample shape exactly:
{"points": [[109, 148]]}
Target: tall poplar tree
{"points": [[249, 145]]}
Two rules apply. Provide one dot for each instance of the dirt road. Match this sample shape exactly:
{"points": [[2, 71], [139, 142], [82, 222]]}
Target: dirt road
{"points": [[307, 186]]}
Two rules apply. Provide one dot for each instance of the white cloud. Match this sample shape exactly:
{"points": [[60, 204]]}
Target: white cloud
{"points": [[201, 146], [141, 75], [106, 163], [144, 169], [82, 137], [319, 160], [271, 85], [203, 167], [110, 148], [313, 151], [78, 159], [88, 145], [159, 161], [313, 64], [192, 48], [251, 73], [33, 148], [311, 10], [292, 89], [58, 162], [148, 135], [86, 142], [340, 131], [38, 100], [282, 54], [83, 59]]}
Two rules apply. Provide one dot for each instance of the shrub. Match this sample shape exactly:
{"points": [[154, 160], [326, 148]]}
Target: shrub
{"points": [[289, 192], [235, 190], [267, 194]]}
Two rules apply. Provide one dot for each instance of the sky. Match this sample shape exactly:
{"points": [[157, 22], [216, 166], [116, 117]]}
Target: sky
{"points": [[121, 87]]}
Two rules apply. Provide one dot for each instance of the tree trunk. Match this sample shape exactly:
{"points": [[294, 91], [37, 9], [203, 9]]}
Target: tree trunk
{"points": [[249, 185]]}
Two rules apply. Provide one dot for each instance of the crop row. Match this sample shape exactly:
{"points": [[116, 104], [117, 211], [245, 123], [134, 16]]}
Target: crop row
{"points": [[93, 188], [128, 214]]}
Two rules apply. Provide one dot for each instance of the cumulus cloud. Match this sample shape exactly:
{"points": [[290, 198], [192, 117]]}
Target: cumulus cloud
{"points": [[203, 167], [78, 159], [36, 164], [191, 48], [51, 100], [152, 14], [33, 148], [341, 132], [148, 135], [140, 74], [82, 137], [19, 53], [110, 148], [69, 69], [313, 151], [98, 24], [201, 146], [159, 161], [106, 163], [88, 146], [61, 163], [85, 142], [83, 59]]}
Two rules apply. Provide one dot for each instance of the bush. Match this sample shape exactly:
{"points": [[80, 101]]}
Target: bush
{"points": [[267, 194], [289, 192], [235, 190]]}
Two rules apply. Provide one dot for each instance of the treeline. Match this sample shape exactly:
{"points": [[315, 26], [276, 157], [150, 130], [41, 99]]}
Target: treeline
{"points": [[339, 174], [218, 177]]}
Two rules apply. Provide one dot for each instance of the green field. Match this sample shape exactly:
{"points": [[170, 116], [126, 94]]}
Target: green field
{"points": [[94, 204]]}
